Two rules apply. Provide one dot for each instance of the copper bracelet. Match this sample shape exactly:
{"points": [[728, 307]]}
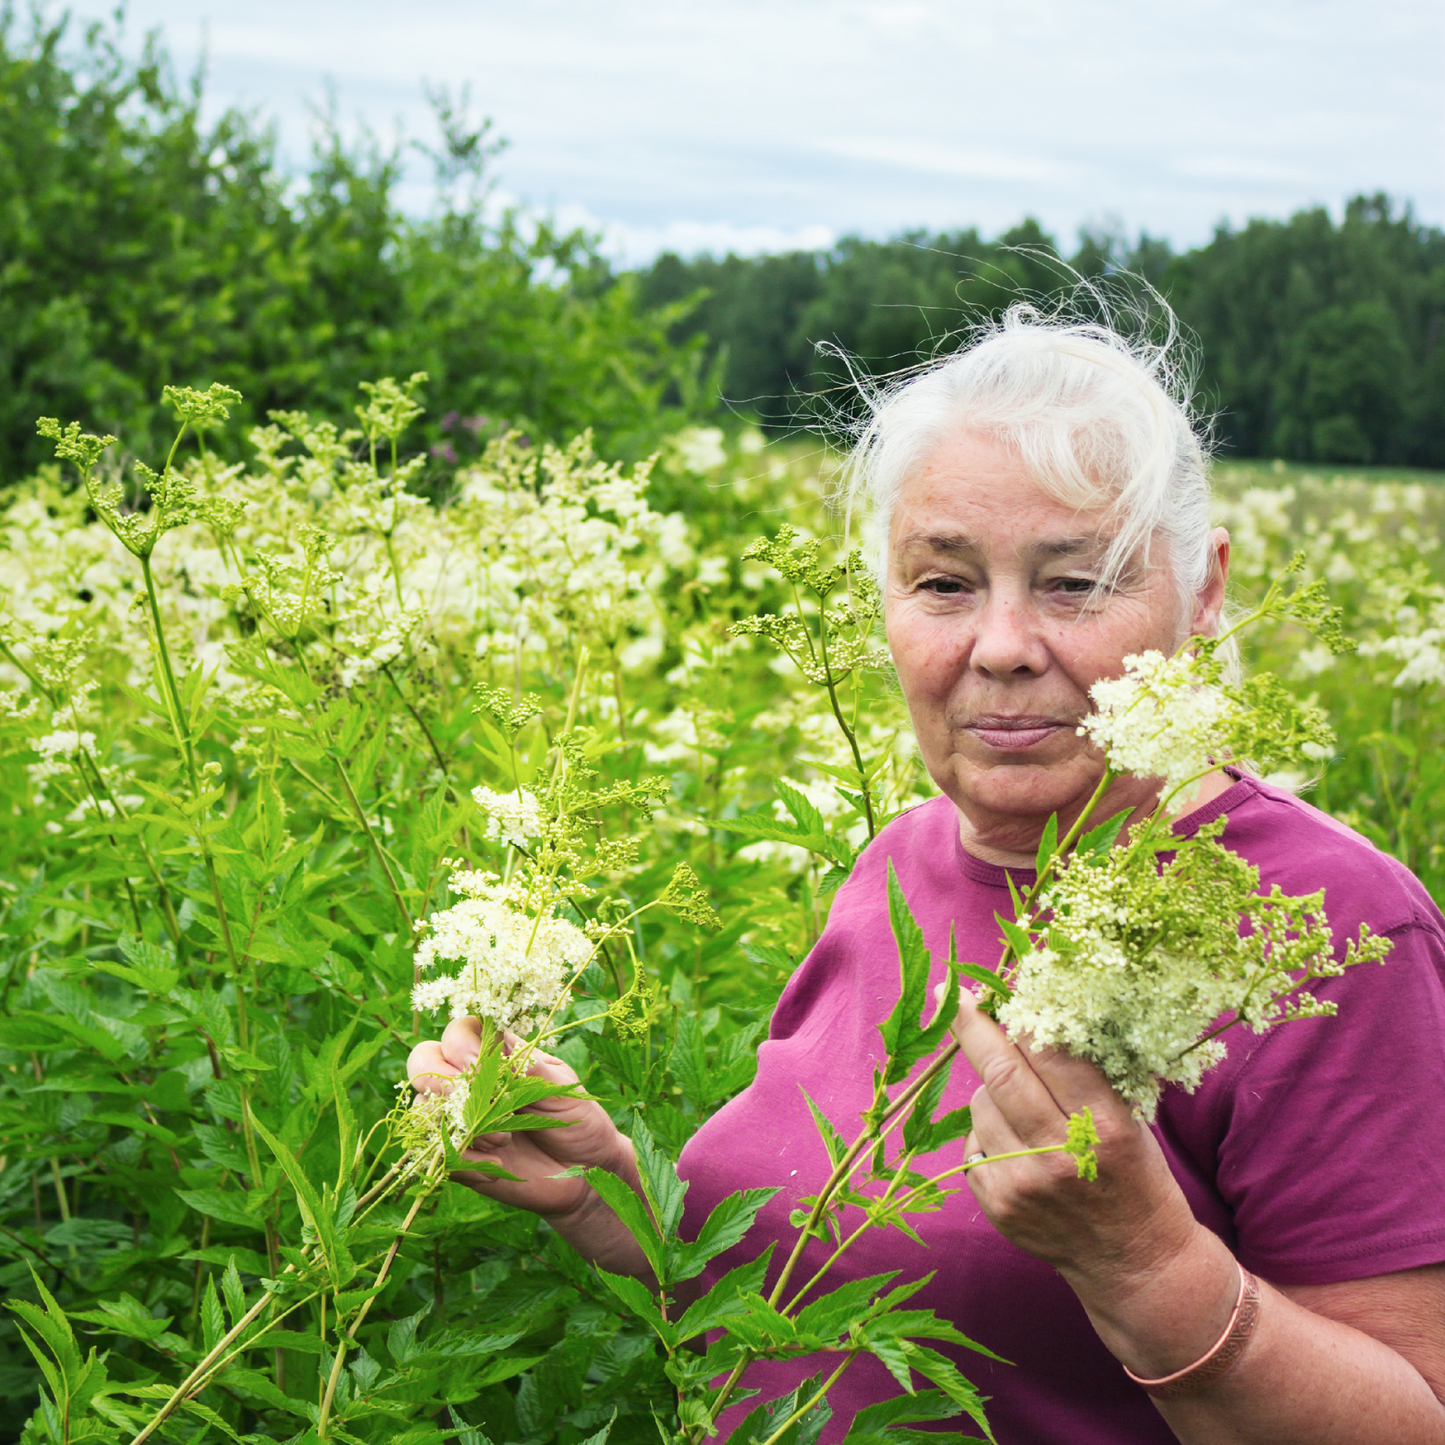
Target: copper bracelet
{"points": [[1216, 1362]]}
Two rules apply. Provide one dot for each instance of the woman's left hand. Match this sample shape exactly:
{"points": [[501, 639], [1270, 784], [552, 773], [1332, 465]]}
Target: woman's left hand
{"points": [[1117, 1239]]}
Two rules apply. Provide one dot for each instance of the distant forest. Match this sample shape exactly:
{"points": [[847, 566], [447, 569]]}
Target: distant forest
{"points": [[1319, 341]]}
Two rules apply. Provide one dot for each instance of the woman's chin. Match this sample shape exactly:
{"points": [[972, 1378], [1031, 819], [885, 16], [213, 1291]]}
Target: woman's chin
{"points": [[1019, 786]]}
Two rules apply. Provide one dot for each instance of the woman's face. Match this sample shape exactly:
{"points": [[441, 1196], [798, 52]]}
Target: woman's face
{"points": [[995, 625]]}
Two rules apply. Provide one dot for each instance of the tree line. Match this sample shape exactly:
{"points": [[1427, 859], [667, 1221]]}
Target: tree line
{"points": [[140, 246], [1317, 340]]}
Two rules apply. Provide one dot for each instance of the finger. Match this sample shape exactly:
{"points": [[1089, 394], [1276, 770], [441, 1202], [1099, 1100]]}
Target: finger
{"points": [[428, 1069], [1075, 1084], [462, 1041], [1020, 1094], [992, 1134]]}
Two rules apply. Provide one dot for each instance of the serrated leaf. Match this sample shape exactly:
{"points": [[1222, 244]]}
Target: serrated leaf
{"points": [[1047, 844], [918, 1126], [232, 1290], [1017, 938], [213, 1321], [620, 1198], [724, 1299], [1102, 838], [831, 1314], [986, 976], [833, 1141], [401, 1338], [726, 1226], [640, 1301], [666, 1193]]}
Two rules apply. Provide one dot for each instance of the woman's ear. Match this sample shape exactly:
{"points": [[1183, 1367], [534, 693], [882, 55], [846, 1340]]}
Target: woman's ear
{"points": [[1209, 602]]}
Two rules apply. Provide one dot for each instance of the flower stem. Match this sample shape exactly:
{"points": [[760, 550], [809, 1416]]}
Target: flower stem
{"points": [[361, 1313], [818, 1395]]}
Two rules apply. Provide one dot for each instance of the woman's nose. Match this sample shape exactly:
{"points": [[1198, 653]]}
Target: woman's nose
{"points": [[1007, 642]]}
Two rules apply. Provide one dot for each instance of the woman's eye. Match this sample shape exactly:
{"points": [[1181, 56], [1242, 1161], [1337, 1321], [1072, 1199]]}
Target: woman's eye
{"points": [[943, 586], [1075, 586]]}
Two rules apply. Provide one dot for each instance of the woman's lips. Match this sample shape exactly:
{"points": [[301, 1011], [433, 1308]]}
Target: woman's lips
{"points": [[1014, 734]]}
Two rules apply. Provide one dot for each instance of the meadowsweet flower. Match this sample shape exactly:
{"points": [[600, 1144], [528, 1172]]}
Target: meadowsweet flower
{"points": [[700, 448], [18, 705], [1423, 656], [515, 966], [513, 817], [1138, 963], [1161, 719], [65, 743], [426, 1118], [1171, 718]]}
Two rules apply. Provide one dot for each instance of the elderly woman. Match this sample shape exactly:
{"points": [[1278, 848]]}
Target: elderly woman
{"points": [[1040, 507]]}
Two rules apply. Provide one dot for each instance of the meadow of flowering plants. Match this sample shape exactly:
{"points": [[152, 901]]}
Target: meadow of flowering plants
{"points": [[297, 762]]}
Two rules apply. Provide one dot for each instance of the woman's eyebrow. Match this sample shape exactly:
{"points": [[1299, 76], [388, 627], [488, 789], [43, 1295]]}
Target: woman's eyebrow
{"points": [[961, 544], [954, 543], [1090, 543]]}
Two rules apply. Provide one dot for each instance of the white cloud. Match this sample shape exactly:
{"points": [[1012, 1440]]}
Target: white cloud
{"points": [[750, 123]]}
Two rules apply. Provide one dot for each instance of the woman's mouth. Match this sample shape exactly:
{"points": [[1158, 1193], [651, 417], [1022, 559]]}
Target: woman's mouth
{"points": [[1010, 734]]}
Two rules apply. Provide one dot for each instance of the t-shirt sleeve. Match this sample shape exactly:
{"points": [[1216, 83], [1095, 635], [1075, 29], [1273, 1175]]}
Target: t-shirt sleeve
{"points": [[1331, 1140]]}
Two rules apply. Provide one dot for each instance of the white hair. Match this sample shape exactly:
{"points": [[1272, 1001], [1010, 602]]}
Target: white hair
{"points": [[1101, 420]]}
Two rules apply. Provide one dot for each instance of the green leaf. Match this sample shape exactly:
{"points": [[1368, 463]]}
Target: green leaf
{"points": [[625, 1204], [1017, 938], [905, 1038], [833, 1141], [231, 1288], [726, 1226], [986, 976], [926, 1405], [665, 1192], [317, 1212], [213, 1321], [918, 1126], [724, 1299], [1101, 839], [1048, 843], [902, 1030], [832, 1313], [401, 1338], [639, 1300], [231, 1207], [760, 1327], [946, 1375]]}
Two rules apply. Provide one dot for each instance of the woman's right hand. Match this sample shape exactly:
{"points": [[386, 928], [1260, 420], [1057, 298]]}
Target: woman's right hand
{"points": [[536, 1157]]}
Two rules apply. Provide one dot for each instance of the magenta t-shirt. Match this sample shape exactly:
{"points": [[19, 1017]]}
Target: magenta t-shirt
{"points": [[1316, 1151]]}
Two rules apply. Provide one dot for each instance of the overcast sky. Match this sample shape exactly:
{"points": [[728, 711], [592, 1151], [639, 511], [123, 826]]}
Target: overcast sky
{"points": [[760, 124]]}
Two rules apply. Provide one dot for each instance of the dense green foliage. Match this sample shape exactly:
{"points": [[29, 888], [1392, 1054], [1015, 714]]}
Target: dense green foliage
{"points": [[1319, 340], [216, 852], [140, 246]]}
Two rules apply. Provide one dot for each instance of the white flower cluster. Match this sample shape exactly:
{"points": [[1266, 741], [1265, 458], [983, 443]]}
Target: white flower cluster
{"points": [[1138, 964], [426, 1118], [514, 967], [1160, 719], [514, 817], [56, 749], [65, 743], [1423, 656], [1134, 1023]]}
